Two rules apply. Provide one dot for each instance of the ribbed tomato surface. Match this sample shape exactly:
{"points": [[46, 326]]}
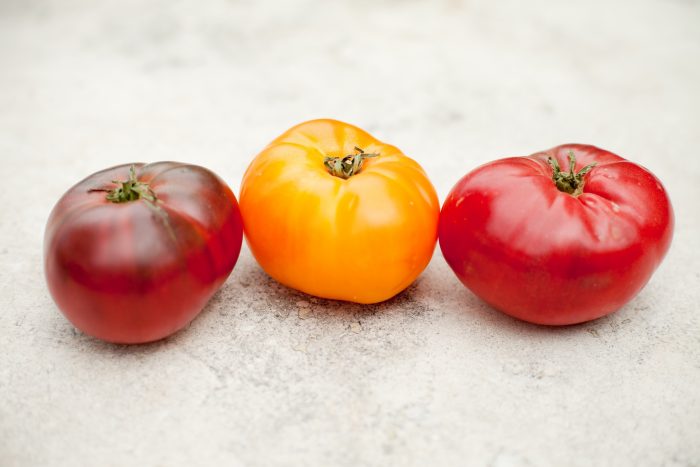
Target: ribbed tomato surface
{"points": [[363, 239], [552, 257], [137, 271]]}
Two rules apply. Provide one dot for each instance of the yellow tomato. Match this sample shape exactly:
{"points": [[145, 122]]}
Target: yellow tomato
{"points": [[331, 211]]}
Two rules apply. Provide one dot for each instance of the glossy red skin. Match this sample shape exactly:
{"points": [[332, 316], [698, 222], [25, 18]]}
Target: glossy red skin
{"points": [[117, 272], [548, 257]]}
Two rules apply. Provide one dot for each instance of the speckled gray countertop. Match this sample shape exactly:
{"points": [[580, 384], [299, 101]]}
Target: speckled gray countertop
{"points": [[267, 376]]}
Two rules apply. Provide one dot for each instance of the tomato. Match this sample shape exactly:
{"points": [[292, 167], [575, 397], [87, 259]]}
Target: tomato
{"points": [[333, 212], [557, 247], [136, 260]]}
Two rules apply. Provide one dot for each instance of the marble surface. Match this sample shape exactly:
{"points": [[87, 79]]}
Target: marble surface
{"points": [[267, 376]]}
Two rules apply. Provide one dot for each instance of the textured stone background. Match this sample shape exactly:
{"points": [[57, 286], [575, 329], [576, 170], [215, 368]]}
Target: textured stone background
{"points": [[267, 376]]}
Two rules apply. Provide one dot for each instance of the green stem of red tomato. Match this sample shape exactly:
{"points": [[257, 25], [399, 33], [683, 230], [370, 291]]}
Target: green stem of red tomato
{"points": [[569, 182]]}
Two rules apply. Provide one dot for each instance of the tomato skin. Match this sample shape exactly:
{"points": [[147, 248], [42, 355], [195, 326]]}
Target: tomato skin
{"points": [[363, 239], [546, 256], [126, 272]]}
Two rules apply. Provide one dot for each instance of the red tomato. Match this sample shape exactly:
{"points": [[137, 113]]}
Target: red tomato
{"points": [[136, 260], [555, 247]]}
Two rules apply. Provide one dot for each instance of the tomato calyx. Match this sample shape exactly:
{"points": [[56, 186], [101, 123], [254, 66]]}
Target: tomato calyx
{"points": [[346, 167], [569, 182], [130, 190], [133, 190]]}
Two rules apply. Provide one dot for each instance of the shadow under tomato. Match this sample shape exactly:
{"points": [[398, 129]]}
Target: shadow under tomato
{"points": [[111, 348], [433, 292], [250, 295], [287, 297], [506, 324]]}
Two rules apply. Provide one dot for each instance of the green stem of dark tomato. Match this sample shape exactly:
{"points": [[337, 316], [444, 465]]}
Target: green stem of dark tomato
{"points": [[130, 190]]}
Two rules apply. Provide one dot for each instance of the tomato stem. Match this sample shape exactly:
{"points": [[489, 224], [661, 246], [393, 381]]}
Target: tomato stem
{"points": [[346, 167], [569, 182], [130, 190]]}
